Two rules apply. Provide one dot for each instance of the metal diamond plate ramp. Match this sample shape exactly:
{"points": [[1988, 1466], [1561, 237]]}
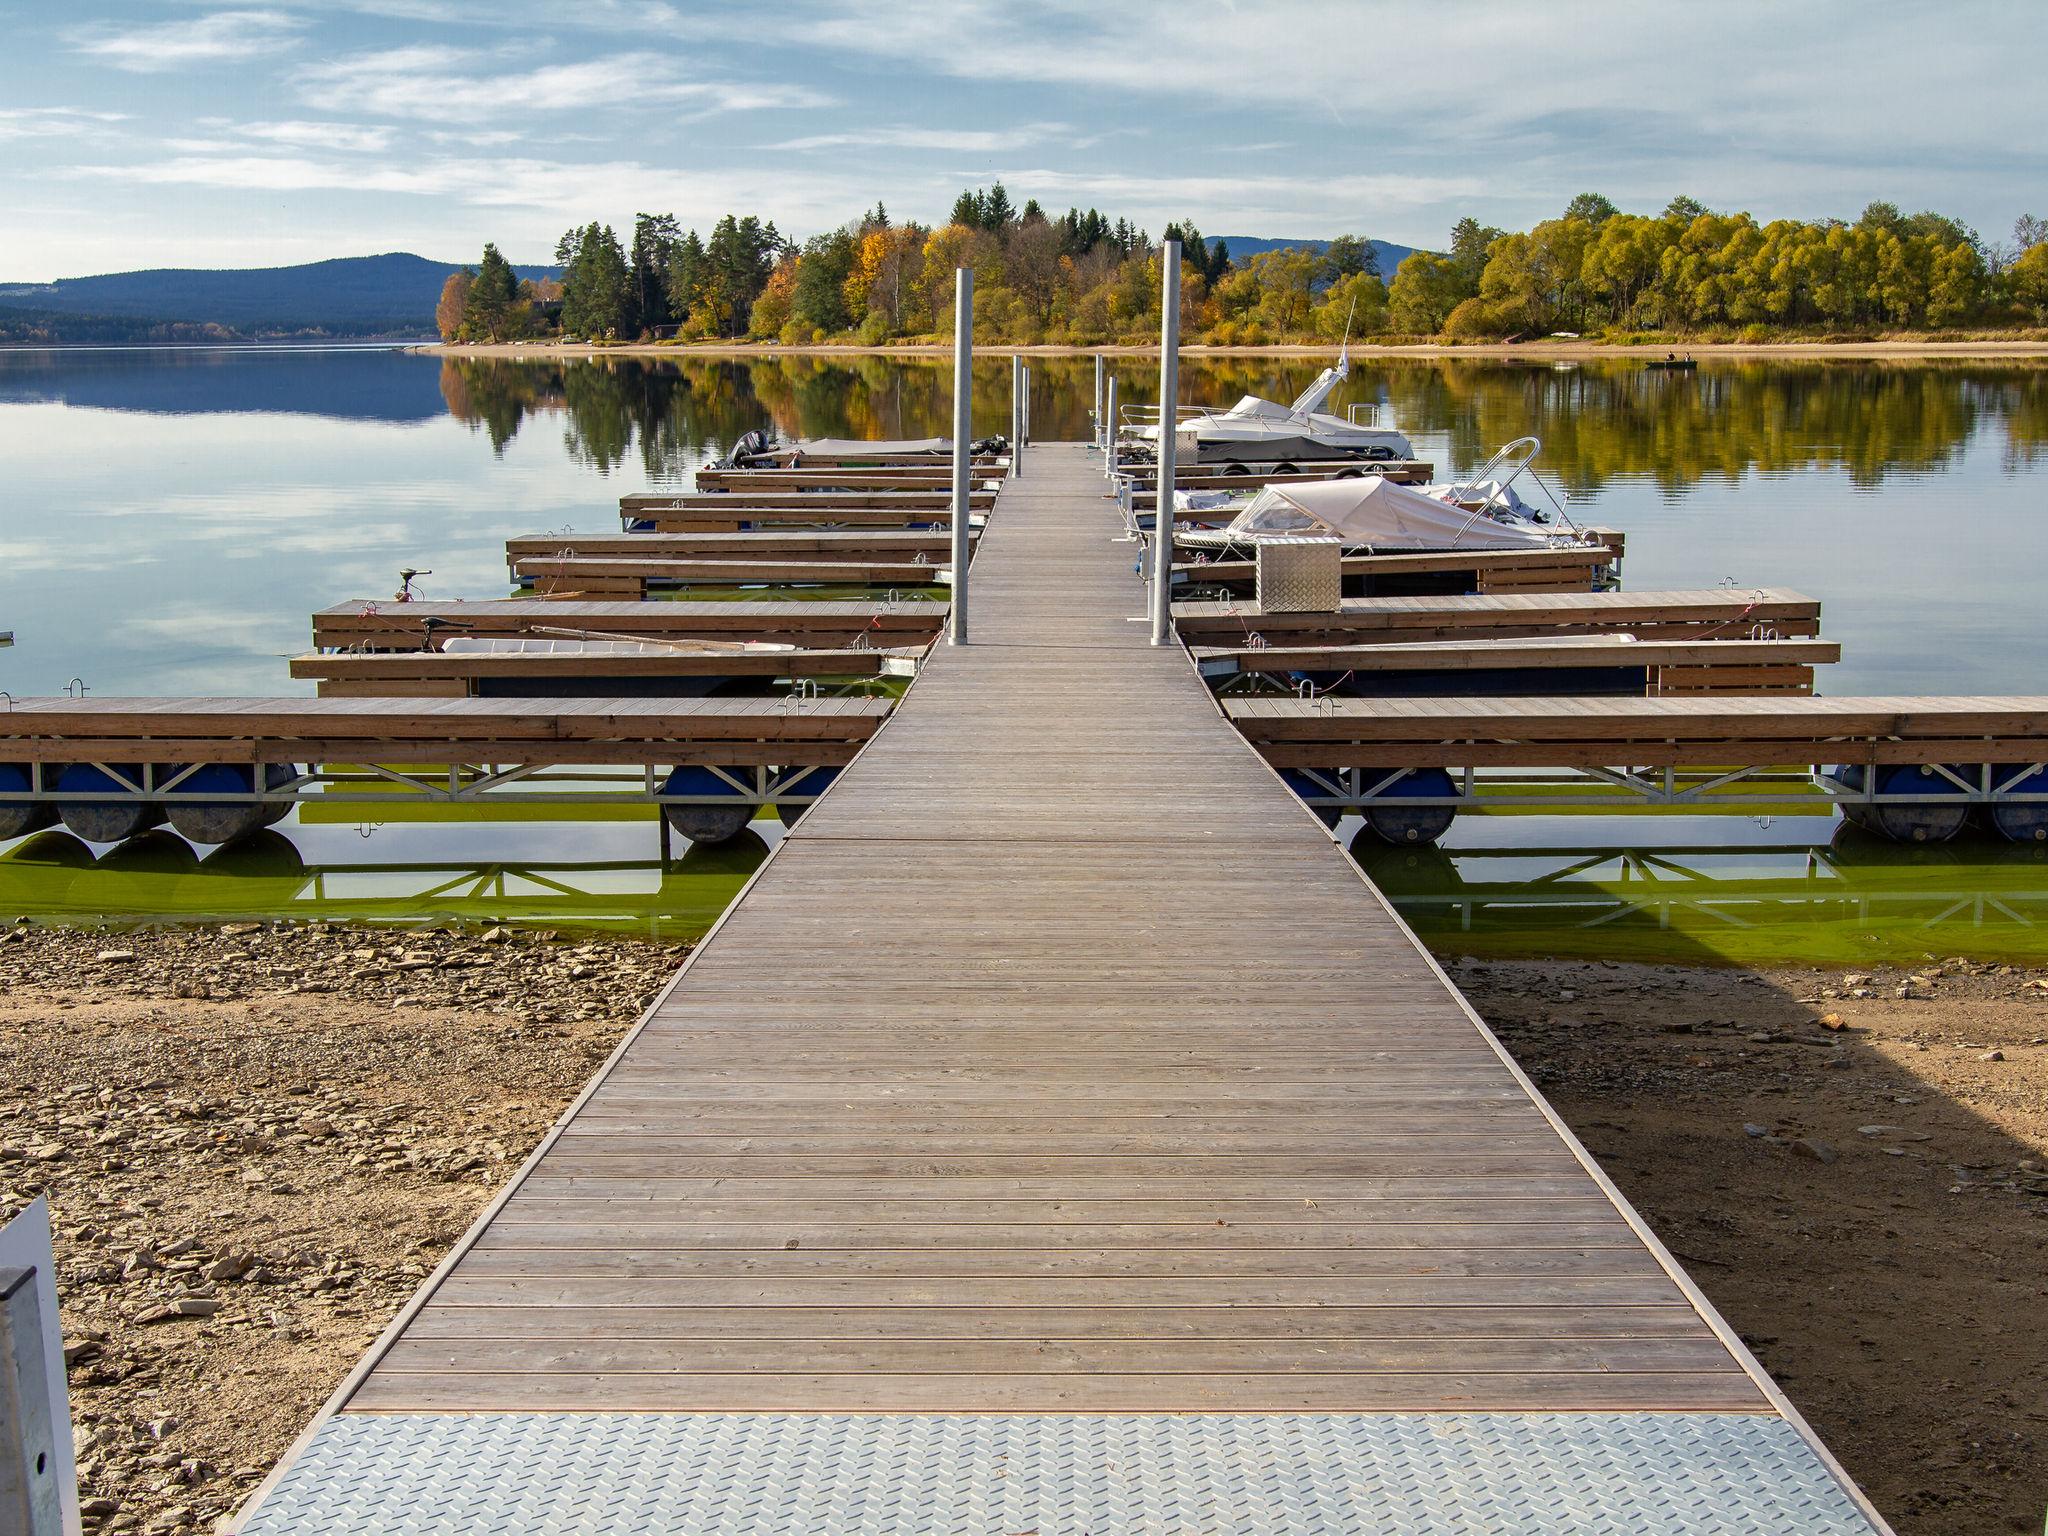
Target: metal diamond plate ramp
{"points": [[555, 1474]]}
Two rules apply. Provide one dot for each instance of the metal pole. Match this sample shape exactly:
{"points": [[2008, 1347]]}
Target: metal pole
{"points": [[1016, 415], [1169, 396], [1027, 402], [963, 437], [1098, 399], [1109, 438]]}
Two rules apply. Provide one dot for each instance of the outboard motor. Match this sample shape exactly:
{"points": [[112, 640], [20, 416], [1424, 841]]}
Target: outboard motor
{"points": [[989, 445], [749, 447]]}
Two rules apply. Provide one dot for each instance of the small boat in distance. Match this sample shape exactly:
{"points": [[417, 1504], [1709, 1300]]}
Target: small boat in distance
{"points": [[1671, 362]]}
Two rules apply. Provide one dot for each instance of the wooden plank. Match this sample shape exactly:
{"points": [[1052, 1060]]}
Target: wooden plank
{"points": [[1036, 1325], [411, 626], [981, 1392], [556, 575]]}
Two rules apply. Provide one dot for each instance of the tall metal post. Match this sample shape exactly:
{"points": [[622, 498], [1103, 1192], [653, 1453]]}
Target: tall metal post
{"points": [[1027, 403], [1016, 415], [1109, 438], [1098, 399], [963, 440], [1169, 396]]}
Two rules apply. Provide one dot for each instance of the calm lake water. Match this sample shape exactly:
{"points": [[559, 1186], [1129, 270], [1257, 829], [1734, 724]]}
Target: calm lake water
{"points": [[170, 518]]}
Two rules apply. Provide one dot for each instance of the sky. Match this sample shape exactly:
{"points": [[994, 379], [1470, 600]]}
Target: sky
{"points": [[151, 133]]}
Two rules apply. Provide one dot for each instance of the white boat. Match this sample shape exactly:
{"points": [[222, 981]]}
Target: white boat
{"points": [[761, 449], [1257, 431], [1371, 514]]}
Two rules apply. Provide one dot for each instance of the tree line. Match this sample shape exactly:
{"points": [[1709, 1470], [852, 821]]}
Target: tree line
{"points": [[1602, 421], [1078, 278]]}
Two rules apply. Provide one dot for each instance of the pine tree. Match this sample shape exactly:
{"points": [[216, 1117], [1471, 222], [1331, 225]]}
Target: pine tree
{"points": [[967, 210], [597, 287], [493, 310], [996, 212], [686, 273], [655, 236]]}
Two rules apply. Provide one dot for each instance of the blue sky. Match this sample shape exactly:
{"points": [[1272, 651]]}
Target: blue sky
{"points": [[174, 133]]}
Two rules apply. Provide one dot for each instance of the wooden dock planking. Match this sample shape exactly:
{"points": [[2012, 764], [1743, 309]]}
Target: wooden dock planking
{"points": [[918, 500], [1667, 731], [824, 624], [627, 576], [461, 674], [577, 731], [1213, 628], [1057, 1062], [1655, 666], [855, 544]]}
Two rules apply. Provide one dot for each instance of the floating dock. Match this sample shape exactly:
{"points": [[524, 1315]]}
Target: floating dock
{"points": [[1059, 1135], [825, 623]]}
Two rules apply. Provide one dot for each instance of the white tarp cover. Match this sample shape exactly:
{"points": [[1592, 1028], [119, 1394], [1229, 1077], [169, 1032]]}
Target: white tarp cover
{"points": [[1252, 405], [884, 448], [1384, 515]]}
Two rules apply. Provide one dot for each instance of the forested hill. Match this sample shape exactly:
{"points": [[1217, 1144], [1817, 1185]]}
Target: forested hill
{"points": [[390, 295], [1390, 255]]}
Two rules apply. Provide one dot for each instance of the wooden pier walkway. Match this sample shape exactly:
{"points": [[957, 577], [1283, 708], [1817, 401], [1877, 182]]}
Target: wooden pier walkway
{"points": [[1060, 1134]]}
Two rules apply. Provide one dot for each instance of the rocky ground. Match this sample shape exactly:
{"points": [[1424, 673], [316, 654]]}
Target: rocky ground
{"points": [[1854, 1167], [258, 1140]]}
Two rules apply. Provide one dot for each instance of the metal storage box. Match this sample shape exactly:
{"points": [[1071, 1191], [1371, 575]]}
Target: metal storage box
{"points": [[1300, 573]]}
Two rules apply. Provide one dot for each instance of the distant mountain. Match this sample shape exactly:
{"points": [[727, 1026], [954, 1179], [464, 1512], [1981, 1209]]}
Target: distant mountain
{"points": [[1390, 254], [391, 295]]}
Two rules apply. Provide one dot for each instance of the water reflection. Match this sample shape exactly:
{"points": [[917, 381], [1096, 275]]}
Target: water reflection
{"points": [[1600, 420], [159, 877], [1847, 899]]}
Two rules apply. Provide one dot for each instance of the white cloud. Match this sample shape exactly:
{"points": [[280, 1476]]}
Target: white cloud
{"points": [[444, 85], [358, 137], [52, 122], [219, 38], [606, 190], [949, 140]]}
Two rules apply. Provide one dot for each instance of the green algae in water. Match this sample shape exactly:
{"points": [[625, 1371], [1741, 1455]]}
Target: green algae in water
{"points": [[1857, 900], [160, 878]]}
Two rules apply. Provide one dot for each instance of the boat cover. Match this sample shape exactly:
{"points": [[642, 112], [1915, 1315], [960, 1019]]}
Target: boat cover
{"points": [[883, 448], [1383, 514]]}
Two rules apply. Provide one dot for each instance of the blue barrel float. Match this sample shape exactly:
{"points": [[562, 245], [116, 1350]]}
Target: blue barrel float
{"points": [[1407, 826], [705, 823], [812, 781], [18, 818], [2017, 822], [223, 821], [1933, 820], [101, 804], [1386, 816]]}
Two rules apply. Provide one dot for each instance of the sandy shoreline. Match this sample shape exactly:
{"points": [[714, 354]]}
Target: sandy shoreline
{"points": [[1547, 351], [259, 1139]]}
